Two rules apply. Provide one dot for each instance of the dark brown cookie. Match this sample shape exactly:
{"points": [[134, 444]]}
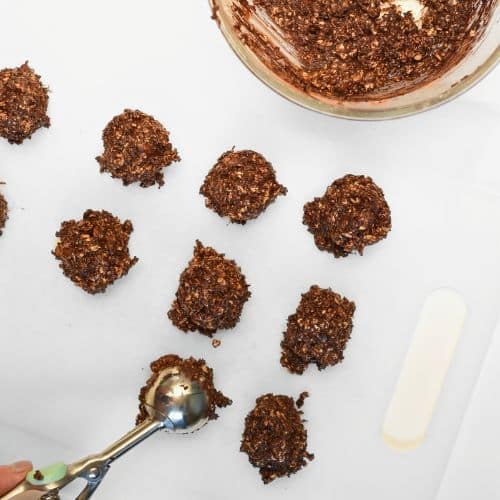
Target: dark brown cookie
{"points": [[4, 209], [197, 370], [241, 185], [318, 331], [211, 294], [94, 251], [351, 215], [136, 149], [274, 438], [23, 103]]}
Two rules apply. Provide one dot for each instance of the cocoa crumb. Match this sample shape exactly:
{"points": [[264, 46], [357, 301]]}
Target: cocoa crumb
{"points": [[136, 149], [23, 103], [94, 251], [38, 475], [302, 397], [216, 343]]}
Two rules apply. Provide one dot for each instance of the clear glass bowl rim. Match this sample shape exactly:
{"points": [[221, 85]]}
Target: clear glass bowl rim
{"points": [[343, 110]]}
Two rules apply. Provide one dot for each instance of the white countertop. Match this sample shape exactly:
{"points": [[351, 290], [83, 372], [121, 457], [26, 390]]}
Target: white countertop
{"points": [[71, 365]]}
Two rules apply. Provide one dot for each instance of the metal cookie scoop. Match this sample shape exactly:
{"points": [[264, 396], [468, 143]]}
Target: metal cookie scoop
{"points": [[174, 402]]}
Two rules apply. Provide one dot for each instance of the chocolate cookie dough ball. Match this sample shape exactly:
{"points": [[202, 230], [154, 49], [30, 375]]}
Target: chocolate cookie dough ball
{"points": [[211, 294], [241, 185], [94, 251], [197, 370], [350, 215], [318, 331], [136, 149], [23, 103], [3, 212], [274, 438]]}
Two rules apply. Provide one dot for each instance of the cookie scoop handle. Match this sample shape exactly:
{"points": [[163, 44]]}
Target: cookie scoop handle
{"points": [[49, 480]]}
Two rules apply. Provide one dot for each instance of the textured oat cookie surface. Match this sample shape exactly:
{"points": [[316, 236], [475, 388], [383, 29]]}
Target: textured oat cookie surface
{"points": [[137, 148], [93, 252], [211, 294], [318, 332], [275, 438], [241, 185], [23, 103], [351, 215]]}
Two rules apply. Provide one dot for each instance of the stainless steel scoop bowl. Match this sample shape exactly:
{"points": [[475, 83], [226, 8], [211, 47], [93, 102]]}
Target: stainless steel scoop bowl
{"points": [[174, 403], [178, 402]]}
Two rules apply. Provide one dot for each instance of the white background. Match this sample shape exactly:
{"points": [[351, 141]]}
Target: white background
{"points": [[71, 364]]}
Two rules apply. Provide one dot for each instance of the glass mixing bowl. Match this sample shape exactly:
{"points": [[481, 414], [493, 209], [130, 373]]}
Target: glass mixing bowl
{"points": [[481, 59]]}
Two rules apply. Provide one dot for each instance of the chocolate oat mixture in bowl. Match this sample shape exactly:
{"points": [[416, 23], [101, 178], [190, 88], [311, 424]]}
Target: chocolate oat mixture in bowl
{"points": [[364, 59]]}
